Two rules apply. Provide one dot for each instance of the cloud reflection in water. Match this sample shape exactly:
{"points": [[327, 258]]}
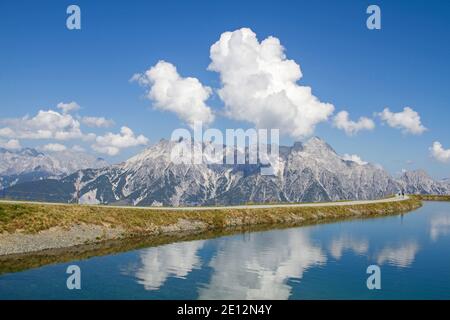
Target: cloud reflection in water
{"points": [[261, 267], [159, 263]]}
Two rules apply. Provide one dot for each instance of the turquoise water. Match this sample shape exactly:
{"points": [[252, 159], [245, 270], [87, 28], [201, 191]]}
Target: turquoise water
{"points": [[327, 261]]}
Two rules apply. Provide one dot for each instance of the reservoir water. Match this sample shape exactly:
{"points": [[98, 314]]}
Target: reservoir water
{"points": [[324, 261]]}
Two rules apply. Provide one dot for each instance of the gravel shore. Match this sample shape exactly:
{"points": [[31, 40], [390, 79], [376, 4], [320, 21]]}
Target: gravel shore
{"points": [[56, 237]]}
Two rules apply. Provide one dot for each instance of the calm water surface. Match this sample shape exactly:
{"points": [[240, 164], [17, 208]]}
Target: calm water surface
{"points": [[326, 261]]}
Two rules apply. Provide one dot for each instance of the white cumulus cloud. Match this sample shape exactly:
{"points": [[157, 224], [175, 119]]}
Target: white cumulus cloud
{"points": [[54, 147], [47, 124], [68, 107], [259, 85], [99, 122], [343, 122], [439, 153], [408, 120], [78, 148], [186, 97], [354, 158], [111, 143], [10, 144]]}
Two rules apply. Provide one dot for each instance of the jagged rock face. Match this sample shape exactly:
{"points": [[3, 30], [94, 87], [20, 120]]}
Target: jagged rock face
{"points": [[419, 182], [305, 172], [27, 164], [317, 172]]}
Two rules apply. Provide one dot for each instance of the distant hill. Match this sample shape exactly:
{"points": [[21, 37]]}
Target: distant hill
{"points": [[24, 165]]}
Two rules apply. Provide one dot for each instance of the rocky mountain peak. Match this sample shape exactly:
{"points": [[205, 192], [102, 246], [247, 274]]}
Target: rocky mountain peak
{"points": [[419, 182], [317, 145], [29, 152], [28, 163], [419, 174]]}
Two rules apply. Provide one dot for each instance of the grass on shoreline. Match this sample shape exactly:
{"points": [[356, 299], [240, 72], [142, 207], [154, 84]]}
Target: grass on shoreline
{"points": [[431, 197], [32, 218]]}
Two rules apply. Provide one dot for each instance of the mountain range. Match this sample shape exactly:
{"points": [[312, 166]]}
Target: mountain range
{"points": [[304, 172], [24, 165]]}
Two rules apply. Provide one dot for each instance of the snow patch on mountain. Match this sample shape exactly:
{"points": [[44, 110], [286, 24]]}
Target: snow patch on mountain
{"points": [[89, 197]]}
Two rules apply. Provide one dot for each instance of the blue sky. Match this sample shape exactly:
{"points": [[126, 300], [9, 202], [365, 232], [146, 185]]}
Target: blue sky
{"points": [[405, 64]]}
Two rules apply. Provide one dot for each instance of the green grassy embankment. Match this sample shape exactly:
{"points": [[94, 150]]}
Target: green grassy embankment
{"points": [[427, 197], [32, 218]]}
